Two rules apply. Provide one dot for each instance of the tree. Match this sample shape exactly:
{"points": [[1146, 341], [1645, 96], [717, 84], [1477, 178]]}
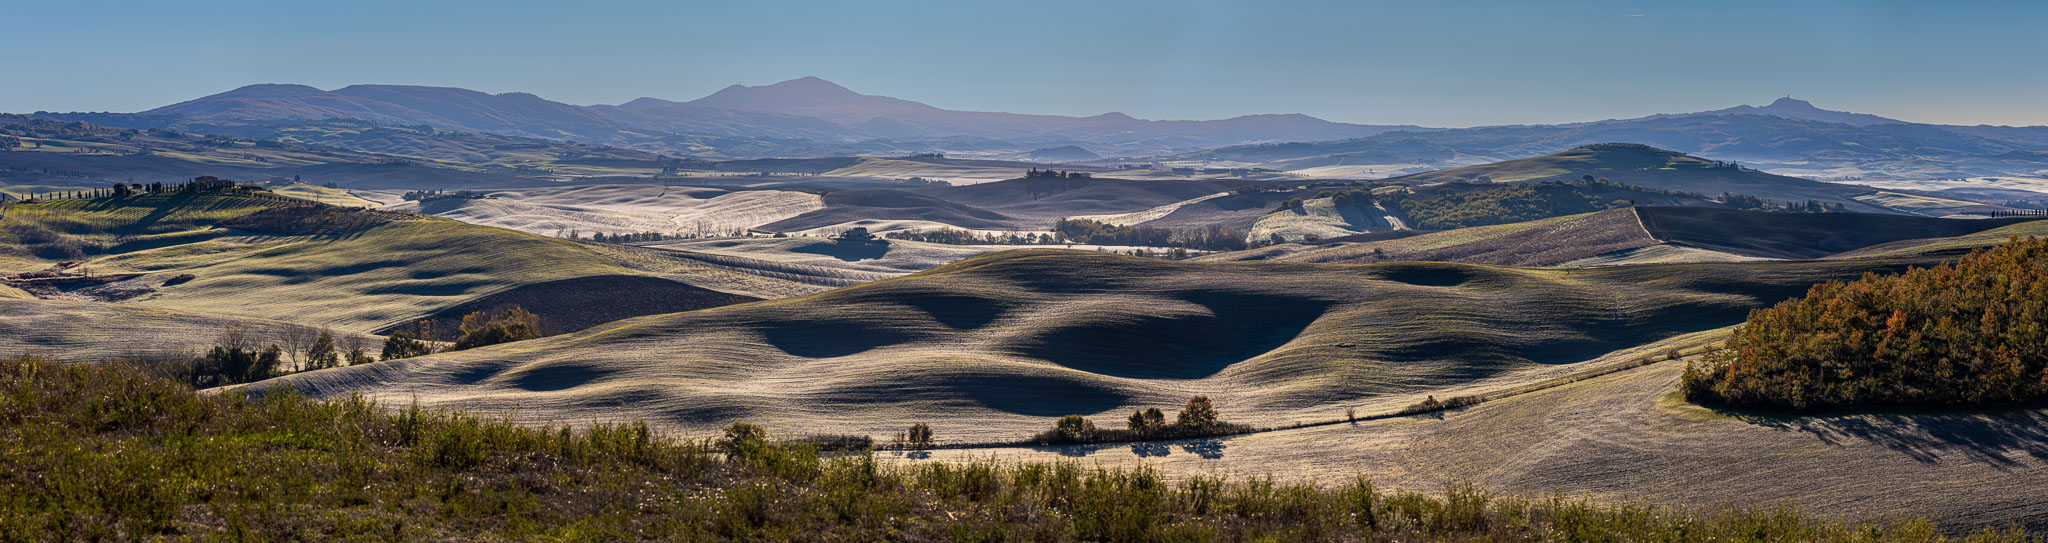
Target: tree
{"points": [[1148, 422], [1074, 428], [742, 438], [1198, 414], [920, 436], [322, 354], [294, 339]]}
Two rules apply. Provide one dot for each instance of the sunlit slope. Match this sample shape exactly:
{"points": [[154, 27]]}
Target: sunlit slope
{"points": [[392, 269], [1627, 437], [377, 277], [1638, 235], [325, 195], [1532, 243], [1645, 166], [91, 331], [994, 346], [612, 209]]}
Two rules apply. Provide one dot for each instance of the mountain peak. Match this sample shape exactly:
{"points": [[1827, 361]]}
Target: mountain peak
{"points": [[1794, 108], [1791, 103]]}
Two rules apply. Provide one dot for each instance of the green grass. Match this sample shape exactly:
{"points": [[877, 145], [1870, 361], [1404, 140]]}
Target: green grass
{"points": [[329, 196], [109, 452]]}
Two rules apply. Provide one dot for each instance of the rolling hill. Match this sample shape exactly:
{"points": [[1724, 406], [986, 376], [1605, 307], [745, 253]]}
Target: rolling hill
{"points": [[1646, 166], [385, 270], [1648, 235], [993, 347]]}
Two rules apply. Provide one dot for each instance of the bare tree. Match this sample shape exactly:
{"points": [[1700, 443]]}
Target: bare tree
{"points": [[233, 337], [294, 339]]}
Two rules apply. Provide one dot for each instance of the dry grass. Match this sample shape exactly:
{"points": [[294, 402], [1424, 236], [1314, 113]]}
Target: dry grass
{"points": [[995, 347]]}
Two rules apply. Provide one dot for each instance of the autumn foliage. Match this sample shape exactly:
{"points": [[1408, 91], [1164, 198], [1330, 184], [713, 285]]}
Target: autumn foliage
{"points": [[1969, 333]]}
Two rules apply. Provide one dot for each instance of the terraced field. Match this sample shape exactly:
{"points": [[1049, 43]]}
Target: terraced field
{"points": [[993, 347]]}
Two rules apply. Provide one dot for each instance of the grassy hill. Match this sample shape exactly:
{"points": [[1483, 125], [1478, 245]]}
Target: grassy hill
{"points": [[93, 331], [994, 346], [390, 270]]}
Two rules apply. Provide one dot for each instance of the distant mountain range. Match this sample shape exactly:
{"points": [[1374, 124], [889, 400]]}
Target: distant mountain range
{"points": [[812, 110], [812, 117], [1789, 136]]}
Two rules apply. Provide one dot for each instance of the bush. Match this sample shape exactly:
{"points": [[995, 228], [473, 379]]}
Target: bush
{"points": [[403, 344], [481, 328], [1973, 332]]}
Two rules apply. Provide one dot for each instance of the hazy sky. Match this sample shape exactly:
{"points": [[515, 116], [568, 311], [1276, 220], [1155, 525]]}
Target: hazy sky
{"points": [[1445, 63]]}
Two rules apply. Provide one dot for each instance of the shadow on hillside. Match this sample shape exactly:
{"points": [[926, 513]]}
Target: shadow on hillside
{"points": [[959, 312], [848, 251], [1990, 438], [1139, 345], [1207, 449], [832, 338]]}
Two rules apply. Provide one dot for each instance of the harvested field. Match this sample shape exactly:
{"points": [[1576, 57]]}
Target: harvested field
{"points": [[1001, 344], [92, 331], [1626, 437]]}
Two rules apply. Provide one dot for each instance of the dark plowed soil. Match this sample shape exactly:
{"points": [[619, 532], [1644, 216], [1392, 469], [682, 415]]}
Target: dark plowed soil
{"points": [[574, 304]]}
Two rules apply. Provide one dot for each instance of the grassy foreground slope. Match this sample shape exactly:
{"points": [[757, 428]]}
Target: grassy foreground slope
{"points": [[107, 453], [1628, 437], [994, 346]]}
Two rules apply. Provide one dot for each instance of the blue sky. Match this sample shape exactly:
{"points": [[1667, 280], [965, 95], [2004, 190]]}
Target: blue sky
{"points": [[1441, 63]]}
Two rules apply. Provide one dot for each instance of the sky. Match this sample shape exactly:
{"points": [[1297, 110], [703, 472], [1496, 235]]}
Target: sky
{"points": [[1431, 63]]}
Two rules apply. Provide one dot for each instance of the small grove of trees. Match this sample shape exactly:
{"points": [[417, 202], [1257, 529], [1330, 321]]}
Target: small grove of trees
{"points": [[484, 328], [1196, 419], [1973, 332], [855, 234], [405, 344], [237, 357]]}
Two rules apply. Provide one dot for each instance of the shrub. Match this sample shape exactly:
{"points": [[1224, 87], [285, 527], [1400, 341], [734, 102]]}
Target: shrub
{"points": [[1074, 429], [1973, 332], [403, 344], [481, 328]]}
